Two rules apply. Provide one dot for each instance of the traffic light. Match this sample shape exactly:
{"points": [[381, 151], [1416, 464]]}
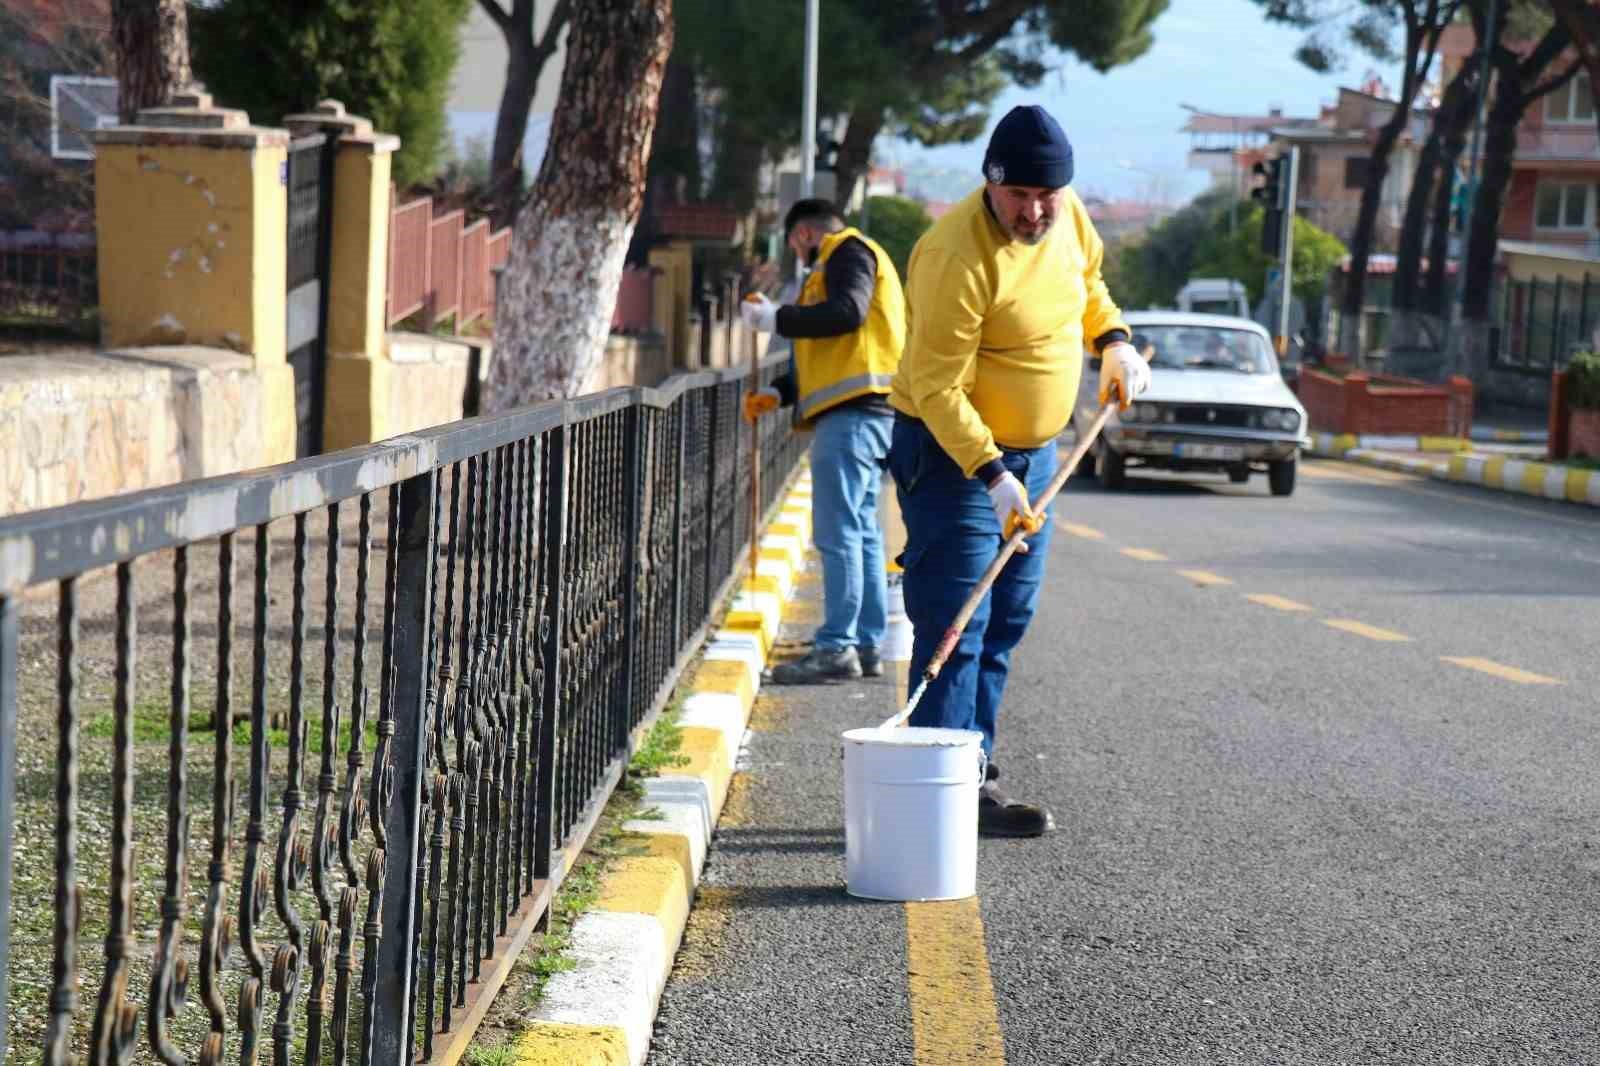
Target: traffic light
{"points": [[1268, 192]]}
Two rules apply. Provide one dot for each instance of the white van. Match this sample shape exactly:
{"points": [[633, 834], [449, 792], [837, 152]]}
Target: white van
{"points": [[1215, 296]]}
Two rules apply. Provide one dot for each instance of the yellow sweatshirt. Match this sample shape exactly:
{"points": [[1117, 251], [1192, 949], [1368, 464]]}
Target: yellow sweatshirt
{"points": [[996, 329]]}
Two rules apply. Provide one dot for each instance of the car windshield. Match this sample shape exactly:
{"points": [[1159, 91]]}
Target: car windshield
{"points": [[1204, 347]]}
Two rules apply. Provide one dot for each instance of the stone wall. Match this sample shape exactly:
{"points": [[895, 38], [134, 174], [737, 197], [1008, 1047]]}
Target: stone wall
{"points": [[75, 426], [428, 379]]}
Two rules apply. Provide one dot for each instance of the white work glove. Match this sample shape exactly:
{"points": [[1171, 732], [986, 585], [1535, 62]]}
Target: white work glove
{"points": [[759, 313], [1010, 500], [1122, 366]]}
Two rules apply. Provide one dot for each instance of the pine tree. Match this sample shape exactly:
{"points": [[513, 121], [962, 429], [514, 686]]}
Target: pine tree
{"points": [[389, 60]]}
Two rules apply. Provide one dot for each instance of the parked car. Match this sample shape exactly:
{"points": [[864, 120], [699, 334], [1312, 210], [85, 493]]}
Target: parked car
{"points": [[1215, 296], [1216, 403]]}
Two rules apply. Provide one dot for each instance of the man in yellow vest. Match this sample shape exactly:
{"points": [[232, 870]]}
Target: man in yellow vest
{"points": [[1004, 293], [848, 327]]}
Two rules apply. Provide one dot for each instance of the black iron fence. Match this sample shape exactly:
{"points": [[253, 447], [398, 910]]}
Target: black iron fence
{"points": [[1544, 321], [300, 776]]}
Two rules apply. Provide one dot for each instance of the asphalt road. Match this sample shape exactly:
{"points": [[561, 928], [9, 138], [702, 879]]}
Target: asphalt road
{"points": [[1352, 820]]}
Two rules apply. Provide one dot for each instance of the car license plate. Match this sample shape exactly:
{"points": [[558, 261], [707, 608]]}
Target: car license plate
{"points": [[1209, 451]]}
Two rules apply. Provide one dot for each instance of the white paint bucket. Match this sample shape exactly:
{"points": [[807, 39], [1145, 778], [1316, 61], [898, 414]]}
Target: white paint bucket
{"points": [[897, 639], [911, 812]]}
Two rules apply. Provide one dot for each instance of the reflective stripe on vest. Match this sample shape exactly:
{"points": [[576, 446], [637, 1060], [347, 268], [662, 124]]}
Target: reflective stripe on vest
{"points": [[861, 383]]}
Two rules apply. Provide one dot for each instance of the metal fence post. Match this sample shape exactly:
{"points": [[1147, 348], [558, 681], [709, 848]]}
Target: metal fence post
{"points": [[9, 637], [632, 455], [1527, 320], [713, 441], [680, 572], [1555, 323], [394, 1007], [553, 542]]}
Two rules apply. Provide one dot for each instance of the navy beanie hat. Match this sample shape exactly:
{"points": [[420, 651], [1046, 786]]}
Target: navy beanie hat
{"points": [[1028, 147]]}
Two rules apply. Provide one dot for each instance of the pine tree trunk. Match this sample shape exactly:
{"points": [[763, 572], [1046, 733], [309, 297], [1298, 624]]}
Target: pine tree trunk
{"points": [[1499, 148], [1366, 223], [560, 287], [855, 152], [1427, 185], [1433, 292], [150, 40], [510, 128], [525, 62]]}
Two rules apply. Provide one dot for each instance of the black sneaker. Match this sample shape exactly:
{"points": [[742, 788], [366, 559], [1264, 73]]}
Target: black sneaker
{"points": [[871, 662], [819, 667], [1001, 816]]}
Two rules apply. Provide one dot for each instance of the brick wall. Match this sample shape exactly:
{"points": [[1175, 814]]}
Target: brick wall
{"points": [[1372, 404]]}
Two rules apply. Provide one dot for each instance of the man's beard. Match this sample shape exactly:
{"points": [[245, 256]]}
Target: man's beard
{"points": [[1034, 238]]}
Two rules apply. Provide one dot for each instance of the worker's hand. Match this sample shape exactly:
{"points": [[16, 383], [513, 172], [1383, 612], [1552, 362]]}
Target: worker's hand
{"points": [[1010, 500], [759, 313], [1123, 371], [758, 402]]}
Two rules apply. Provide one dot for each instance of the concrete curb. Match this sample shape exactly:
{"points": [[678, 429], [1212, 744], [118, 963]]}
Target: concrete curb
{"points": [[1336, 445], [1524, 477], [601, 1012]]}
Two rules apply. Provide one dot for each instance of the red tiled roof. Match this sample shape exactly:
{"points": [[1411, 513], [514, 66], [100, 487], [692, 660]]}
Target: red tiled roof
{"points": [[706, 222]]}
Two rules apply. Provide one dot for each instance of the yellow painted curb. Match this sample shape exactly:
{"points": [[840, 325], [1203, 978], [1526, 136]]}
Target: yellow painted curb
{"points": [[1346, 441], [708, 759], [649, 885], [1444, 444], [662, 844], [763, 583], [724, 676], [779, 554], [753, 622], [1578, 485], [783, 529], [1533, 476], [564, 1044], [1492, 469], [1458, 467]]}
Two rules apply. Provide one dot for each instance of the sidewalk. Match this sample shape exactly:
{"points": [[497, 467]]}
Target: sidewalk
{"points": [[1493, 459]]}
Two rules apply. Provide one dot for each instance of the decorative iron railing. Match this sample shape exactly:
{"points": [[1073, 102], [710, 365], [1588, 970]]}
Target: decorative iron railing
{"points": [[309, 761]]}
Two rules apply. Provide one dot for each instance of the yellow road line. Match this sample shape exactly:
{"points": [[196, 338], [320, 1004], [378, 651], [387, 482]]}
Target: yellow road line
{"points": [[1500, 670], [1205, 577], [1144, 555], [1361, 629], [1278, 603], [954, 1019], [1364, 473], [1081, 531]]}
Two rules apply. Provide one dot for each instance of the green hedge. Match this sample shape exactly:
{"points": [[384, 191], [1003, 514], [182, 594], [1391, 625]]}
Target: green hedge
{"points": [[1583, 381]]}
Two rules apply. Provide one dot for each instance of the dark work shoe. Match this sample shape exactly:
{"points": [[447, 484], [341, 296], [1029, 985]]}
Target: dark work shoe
{"points": [[1001, 816], [819, 667], [871, 662]]}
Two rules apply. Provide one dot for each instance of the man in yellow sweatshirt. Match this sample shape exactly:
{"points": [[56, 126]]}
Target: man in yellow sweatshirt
{"points": [[1002, 295]]}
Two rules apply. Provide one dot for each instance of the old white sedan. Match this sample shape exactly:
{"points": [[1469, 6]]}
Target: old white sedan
{"points": [[1216, 403]]}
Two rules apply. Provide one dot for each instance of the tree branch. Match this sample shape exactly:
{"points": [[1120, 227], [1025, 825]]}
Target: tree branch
{"points": [[1002, 16], [497, 15], [560, 15]]}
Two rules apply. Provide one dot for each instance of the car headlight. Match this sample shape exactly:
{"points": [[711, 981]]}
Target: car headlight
{"points": [[1280, 418]]}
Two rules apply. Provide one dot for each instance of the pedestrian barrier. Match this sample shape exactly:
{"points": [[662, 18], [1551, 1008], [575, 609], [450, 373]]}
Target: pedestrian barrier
{"points": [[524, 590]]}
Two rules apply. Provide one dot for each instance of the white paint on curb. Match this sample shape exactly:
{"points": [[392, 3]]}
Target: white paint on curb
{"points": [[686, 817], [621, 967]]}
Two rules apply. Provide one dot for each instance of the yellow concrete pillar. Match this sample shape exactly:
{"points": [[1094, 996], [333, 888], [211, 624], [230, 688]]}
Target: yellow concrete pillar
{"points": [[191, 206], [357, 407]]}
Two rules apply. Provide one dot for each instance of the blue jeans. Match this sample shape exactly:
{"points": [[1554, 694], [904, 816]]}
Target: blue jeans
{"points": [[952, 536], [847, 464]]}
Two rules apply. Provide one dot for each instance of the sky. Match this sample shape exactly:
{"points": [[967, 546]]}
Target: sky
{"points": [[1219, 55]]}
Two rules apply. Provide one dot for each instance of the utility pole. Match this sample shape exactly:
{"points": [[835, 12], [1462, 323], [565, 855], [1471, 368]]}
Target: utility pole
{"points": [[1287, 292], [808, 107]]}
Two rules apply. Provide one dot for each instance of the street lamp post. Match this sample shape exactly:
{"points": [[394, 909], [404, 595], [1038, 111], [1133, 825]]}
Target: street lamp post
{"points": [[808, 107]]}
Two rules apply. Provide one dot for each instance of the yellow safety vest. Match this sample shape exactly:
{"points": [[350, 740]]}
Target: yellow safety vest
{"points": [[831, 370]]}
